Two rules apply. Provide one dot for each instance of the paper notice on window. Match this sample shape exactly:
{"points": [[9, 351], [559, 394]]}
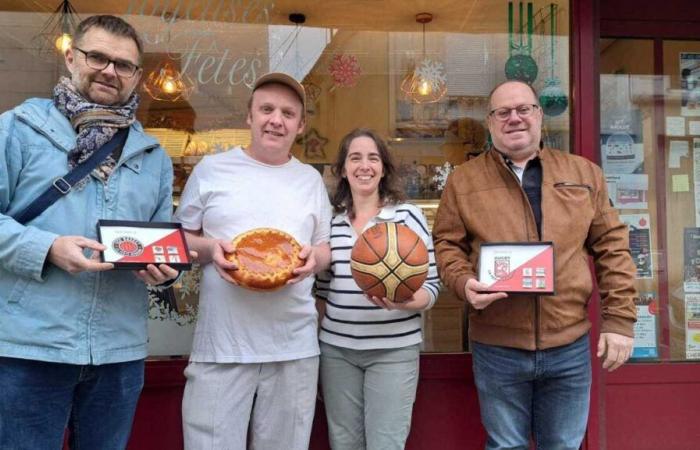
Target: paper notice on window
{"points": [[621, 140], [678, 150], [645, 328], [680, 183], [628, 191], [691, 259], [692, 326], [621, 154], [675, 126], [696, 179], [640, 242], [690, 83], [694, 127]]}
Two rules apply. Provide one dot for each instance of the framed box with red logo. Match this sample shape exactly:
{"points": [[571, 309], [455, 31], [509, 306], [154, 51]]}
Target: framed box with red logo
{"points": [[517, 267], [134, 245]]}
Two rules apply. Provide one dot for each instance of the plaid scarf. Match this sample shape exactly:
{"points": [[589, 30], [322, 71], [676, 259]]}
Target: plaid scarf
{"points": [[95, 125]]}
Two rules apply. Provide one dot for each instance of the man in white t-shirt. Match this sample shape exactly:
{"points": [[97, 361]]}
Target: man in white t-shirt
{"points": [[251, 380]]}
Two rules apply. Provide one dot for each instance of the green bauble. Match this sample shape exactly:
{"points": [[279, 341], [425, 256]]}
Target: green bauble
{"points": [[521, 68], [552, 98]]}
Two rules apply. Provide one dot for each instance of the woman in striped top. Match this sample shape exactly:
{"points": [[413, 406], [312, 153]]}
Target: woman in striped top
{"points": [[369, 346]]}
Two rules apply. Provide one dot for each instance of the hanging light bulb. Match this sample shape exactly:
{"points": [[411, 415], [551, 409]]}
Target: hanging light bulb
{"points": [[425, 82], [168, 84], [424, 88], [63, 42]]}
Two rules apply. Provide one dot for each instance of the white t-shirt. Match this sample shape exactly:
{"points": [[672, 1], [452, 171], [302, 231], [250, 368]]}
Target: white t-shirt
{"points": [[229, 193]]}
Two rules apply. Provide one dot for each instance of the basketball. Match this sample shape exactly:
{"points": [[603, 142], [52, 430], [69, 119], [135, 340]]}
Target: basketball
{"points": [[389, 260]]}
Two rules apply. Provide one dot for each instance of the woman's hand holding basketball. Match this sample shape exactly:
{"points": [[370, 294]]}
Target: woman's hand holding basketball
{"points": [[418, 302]]}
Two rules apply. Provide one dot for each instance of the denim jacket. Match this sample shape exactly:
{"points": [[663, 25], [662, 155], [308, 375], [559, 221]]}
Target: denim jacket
{"points": [[46, 313]]}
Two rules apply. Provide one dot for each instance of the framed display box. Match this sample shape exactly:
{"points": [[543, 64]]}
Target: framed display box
{"points": [[517, 267], [133, 245]]}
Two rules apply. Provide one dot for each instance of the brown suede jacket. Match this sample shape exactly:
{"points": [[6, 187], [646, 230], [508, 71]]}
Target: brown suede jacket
{"points": [[483, 202]]}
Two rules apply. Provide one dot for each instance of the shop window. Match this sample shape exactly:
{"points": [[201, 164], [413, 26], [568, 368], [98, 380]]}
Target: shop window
{"points": [[650, 139], [355, 60]]}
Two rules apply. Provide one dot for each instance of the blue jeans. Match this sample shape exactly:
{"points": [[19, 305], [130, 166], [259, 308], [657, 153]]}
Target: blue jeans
{"points": [[38, 400], [542, 394]]}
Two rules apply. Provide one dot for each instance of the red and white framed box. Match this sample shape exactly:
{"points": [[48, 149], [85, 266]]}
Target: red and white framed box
{"points": [[133, 245], [517, 267]]}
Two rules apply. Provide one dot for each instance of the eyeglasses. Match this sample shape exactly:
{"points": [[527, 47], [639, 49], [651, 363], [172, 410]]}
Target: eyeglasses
{"points": [[98, 61], [503, 114]]}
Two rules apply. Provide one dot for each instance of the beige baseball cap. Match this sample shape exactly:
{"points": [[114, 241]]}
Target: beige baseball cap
{"points": [[282, 78]]}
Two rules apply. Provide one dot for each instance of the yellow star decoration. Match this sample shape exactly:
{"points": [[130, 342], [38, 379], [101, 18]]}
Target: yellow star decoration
{"points": [[391, 270]]}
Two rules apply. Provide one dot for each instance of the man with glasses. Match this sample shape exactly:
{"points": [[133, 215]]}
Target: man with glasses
{"points": [[531, 355], [98, 61], [72, 331]]}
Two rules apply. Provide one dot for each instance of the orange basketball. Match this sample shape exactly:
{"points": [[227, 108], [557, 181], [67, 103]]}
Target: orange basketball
{"points": [[389, 260]]}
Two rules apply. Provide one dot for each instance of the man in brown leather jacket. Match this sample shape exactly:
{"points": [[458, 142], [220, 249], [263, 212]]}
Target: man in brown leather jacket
{"points": [[531, 353]]}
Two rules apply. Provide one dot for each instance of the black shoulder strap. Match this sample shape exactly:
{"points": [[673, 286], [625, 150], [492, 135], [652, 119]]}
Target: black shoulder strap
{"points": [[63, 185]]}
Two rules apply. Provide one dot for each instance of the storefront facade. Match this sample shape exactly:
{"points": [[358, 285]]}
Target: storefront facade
{"points": [[620, 85]]}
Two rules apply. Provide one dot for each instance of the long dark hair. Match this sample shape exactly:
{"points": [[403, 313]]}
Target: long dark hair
{"points": [[390, 191]]}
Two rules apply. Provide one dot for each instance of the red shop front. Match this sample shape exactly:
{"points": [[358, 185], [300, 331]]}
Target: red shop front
{"points": [[630, 71]]}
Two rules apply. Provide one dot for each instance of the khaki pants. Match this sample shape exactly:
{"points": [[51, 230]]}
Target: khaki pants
{"points": [[265, 406], [369, 395]]}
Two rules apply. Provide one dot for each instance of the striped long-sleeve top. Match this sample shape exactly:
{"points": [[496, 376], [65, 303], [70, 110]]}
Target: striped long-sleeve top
{"points": [[352, 321]]}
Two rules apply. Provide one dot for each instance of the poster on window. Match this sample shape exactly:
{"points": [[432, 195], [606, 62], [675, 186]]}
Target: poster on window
{"points": [[640, 242], [690, 84], [696, 179], [691, 259], [628, 191], [645, 328], [692, 326], [622, 149]]}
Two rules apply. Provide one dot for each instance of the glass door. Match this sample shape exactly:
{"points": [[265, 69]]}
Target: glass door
{"points": [[650, 153]]}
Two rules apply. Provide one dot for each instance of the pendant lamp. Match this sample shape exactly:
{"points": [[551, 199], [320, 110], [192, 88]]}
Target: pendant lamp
{"points": [[166, 83], [426, 81], [57, 32]]}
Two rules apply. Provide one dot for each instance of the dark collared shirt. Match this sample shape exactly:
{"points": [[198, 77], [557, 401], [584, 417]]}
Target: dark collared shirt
{"points": [[531, 180]]}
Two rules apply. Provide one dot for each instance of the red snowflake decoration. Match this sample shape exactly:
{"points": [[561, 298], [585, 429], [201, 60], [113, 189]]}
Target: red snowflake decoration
{"points": [[345, 70]]}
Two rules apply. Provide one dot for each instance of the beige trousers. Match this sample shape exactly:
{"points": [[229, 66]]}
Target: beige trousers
{"points": [[261, 406]]}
